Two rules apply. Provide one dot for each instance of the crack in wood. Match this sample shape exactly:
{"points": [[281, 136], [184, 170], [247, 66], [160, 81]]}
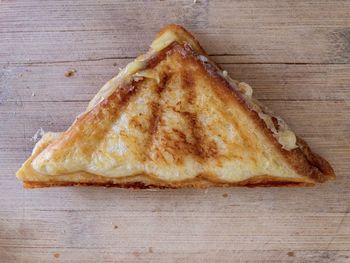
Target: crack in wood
{"points": [[260, 99], [133, 57]]}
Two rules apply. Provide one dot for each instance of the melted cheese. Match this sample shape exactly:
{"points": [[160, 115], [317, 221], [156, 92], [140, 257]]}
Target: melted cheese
{"points": [[148, 73], [163, 41], [169, 37], [111, 85], [287, 139], [285, 136], [245, 89]]}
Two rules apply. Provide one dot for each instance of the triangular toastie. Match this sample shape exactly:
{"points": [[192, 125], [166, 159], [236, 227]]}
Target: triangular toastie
{"points": [[172, 118]]}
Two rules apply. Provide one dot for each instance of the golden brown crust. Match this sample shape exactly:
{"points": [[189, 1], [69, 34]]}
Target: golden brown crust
{"points": [[198, 182], [323, 171], [308, 164], [144, 181], [31, 185]]}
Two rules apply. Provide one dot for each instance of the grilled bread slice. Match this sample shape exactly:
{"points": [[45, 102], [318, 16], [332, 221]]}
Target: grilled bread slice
{"points": [[173, 118]]}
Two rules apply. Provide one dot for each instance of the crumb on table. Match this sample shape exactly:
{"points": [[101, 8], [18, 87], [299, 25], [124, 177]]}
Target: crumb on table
{"points": [[70, 73], [290, 254], [136, 253]]}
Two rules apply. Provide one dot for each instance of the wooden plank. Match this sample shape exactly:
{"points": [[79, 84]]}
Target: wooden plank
{"points": [[175, 224], [110, 15], [142, 254], [317, 127], [300, 116], [246, 232], [47, 82], [243, 31]]}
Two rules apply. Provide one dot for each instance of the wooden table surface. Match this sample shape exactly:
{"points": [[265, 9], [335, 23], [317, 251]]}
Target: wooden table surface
{"points": [[296, 55]]}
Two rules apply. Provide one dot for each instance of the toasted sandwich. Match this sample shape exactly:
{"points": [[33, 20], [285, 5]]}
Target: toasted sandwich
{"points": [[172, 118]]}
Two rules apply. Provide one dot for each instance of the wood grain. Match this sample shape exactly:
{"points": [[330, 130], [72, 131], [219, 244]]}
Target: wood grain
{"points": [[296, 55]]}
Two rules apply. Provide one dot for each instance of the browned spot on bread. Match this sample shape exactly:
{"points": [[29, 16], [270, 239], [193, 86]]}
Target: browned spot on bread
{"points": [[56, 255], [180, 134], [275, 122], [155, 115], [188, 85], [153, 61], [135, 123], [309, 163], [202, 147]]}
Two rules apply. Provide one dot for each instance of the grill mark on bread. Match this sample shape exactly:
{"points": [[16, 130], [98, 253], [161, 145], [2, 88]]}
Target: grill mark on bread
{"points": [[156, 115], [98, 122], [160, 56], [188, 85], [111, 107], [201, 147], [178, 143]]}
